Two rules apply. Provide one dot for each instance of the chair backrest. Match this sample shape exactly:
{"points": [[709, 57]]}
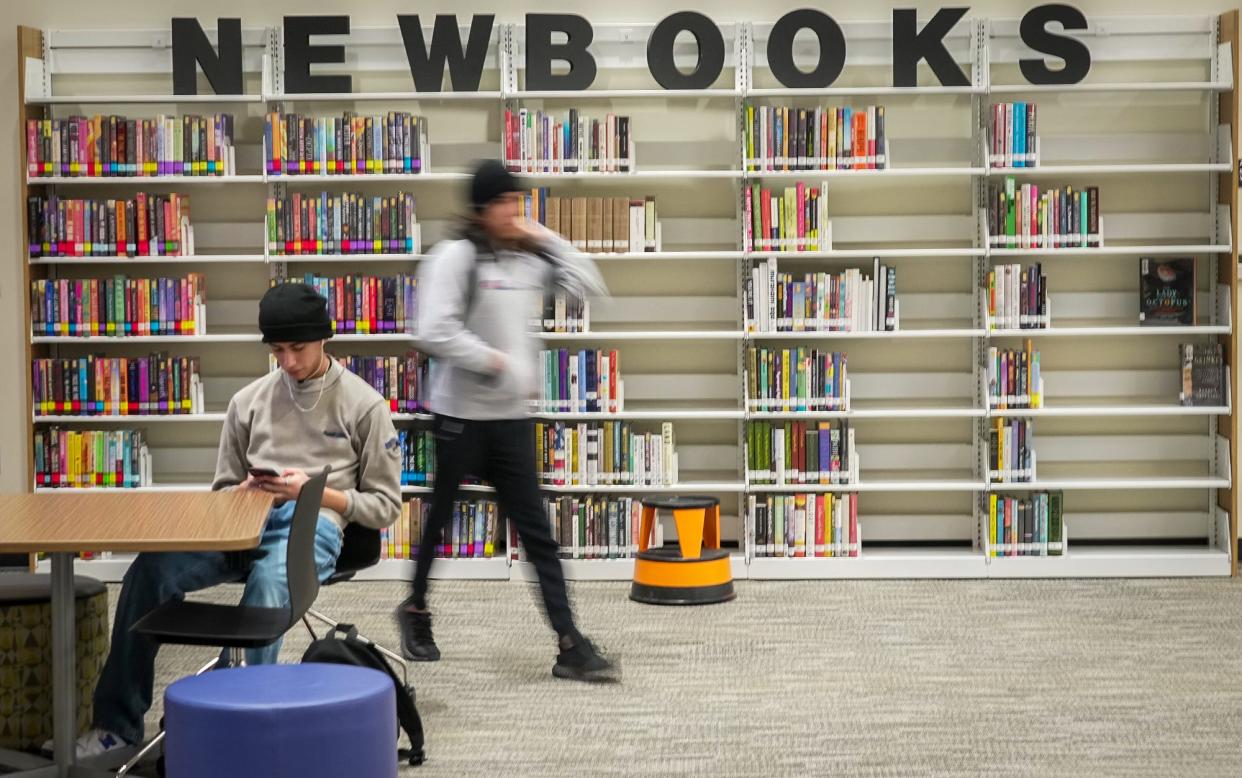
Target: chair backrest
{"points": [[360, 549], [300, 555]]}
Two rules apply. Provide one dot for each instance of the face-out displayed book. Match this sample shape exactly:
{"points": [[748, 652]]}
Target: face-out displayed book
{"points": [[1167, 292]]}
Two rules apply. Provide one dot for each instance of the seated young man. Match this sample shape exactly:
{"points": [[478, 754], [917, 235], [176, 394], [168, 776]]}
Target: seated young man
{"points": [[309, 413]]}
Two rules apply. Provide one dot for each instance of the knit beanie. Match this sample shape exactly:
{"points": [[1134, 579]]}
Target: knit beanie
{"points": [[293, 313], [491, 180]]}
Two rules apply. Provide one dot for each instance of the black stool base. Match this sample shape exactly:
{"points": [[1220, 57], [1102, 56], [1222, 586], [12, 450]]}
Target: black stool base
{"points": [[682, 595]]}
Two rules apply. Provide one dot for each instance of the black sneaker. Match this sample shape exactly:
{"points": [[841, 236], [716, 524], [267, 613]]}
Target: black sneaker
{"points": [[582, 662], [417, 643]]}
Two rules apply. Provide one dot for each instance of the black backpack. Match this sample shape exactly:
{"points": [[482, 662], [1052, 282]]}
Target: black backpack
{"points": [[343, 646]]}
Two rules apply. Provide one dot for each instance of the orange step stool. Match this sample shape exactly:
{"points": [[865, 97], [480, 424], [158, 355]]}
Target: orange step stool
{"points": [[696, 571]]}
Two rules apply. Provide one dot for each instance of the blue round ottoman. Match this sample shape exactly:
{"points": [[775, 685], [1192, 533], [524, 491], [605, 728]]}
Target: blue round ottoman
{"points": [[282, 721]]}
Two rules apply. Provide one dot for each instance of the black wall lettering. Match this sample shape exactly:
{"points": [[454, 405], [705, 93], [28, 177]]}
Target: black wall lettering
{"points": [[299, 54], [1035, 34], [706, 36], [831, 49], [222, 65], [465, 68], [540, 52], [910, 44]]}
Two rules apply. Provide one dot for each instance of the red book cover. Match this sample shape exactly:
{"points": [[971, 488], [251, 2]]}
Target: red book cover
{"points": [[858, 122], [820, 499]]}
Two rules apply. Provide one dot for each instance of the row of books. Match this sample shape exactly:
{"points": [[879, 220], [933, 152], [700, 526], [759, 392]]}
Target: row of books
{"points": [[343, 223], [115, 146], [796, 379], [90, 458], [1014, 136], [1011, 451], [805, 525], [1167, 292], [801, 452], [1014, 378], [597, 225], [604, 453], [782, 137], [1024, 216], [369, 304], [94, 386], [144, 225], [594, 527], [470, 534], [539, 142], [418, 457], [1017, 298], [119, 306], [583, 381], [1030, 525], [561, 312], [393, 142], [817, 302], [402, 380], [1203, 374], [792, 219]]}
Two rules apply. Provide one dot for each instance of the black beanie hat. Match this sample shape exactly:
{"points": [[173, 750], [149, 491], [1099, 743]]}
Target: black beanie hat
{"points": [[294, 313], [491, 180]]}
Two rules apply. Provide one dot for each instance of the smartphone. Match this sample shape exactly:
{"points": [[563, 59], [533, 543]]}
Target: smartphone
{"points": [[263, 471]]}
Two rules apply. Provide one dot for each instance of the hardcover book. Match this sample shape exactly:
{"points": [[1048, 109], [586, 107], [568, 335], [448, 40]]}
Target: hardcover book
{"points": [[1166, 292]]}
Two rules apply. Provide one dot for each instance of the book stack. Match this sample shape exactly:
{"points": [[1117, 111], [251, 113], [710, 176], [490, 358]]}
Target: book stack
{"points": [[538, 142], [1011, 451], [403, 381], [597, 225], [1014, 379], [801, 452], [117, 386], [144, 225], [1017, 298], [1167, 292], [805, 525], [796, 379], [608, 453], [395, 142], [821, 138], [116, 146], [345, 223], [1030, 525], [561, 312], [89, 458], [1203, 375], [1013, 136], [583, 381], [1023, 216], [369, 304], [594, 527], [792, 219], [119, 306], [471, 534], [817, 302]]}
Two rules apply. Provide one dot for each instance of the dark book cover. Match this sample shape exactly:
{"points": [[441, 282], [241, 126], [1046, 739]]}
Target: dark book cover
{"points": [[1166, 292]]}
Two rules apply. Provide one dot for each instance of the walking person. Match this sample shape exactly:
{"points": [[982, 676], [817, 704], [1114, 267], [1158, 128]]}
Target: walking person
{"points": [[476, 296]]}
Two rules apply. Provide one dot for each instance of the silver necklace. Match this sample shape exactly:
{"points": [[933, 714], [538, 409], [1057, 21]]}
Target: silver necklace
{"points": [[323, 382]]}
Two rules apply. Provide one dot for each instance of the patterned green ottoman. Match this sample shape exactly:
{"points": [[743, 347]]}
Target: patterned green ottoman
{"points": [[26, 655]]}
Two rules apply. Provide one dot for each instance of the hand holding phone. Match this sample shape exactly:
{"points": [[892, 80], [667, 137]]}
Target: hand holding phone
{"points": [[263, 472]]}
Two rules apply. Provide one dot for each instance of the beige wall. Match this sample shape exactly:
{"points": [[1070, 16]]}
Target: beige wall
{"points": [[133, 14]]}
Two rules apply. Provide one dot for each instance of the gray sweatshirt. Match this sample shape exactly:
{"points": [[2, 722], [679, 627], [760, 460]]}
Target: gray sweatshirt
{"points": [[509, 293], [350, 429]]}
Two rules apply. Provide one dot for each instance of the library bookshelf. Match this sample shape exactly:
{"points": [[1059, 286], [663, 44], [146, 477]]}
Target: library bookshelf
{"points": [[1149, 485]]}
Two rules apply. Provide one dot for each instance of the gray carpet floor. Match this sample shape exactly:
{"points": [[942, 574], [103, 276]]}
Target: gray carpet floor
{"points": [[921, 678]]}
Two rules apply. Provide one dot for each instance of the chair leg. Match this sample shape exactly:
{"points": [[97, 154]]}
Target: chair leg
{"points": [[400, 660], [138, 757]]}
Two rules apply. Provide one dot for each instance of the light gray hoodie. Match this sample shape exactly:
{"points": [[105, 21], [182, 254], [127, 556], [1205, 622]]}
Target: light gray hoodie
{"points": [[509, 293]]}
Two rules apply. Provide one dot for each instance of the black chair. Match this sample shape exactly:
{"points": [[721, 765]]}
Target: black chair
{"points": [[360, 549], [238, 627]]}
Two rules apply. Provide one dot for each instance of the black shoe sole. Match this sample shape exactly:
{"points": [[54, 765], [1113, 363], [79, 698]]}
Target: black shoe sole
{"points": [[604, 675], [413, 658]]}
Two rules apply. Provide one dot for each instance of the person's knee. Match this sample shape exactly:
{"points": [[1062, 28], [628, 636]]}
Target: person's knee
{"points": [[266, 589]]}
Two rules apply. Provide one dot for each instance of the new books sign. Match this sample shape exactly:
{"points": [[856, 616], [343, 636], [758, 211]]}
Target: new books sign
{"points": [[428, 60]]}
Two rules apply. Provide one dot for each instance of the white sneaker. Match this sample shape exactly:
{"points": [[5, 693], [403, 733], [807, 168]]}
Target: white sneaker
{"points": [[93, 743]]}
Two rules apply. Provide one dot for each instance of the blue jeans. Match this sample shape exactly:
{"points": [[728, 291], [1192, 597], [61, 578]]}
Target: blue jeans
{"points": [[123, 694]]}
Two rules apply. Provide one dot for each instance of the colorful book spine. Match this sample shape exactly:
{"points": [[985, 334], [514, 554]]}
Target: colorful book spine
{"points": [[594, 527], [119, 306], [801, 452], [562, 313], [1025, 525], [568, 386], [1202, 375], [1011, 451], [1025, 216], [95, 146], [395, 142], [79, 459], [597, 225], [603, 454], [805, 525], [369, 304], [401, 380], [850, 301], [1017, 298], [146, 225], [539, 142], [342, 223], [1014, 378], [1013, 136], [780, 138], [471, 533], [796, 379], [117, 386], [792, 219]]}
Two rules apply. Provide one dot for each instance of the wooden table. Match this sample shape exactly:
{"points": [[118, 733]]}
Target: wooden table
{"points": [[66, 523]]}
